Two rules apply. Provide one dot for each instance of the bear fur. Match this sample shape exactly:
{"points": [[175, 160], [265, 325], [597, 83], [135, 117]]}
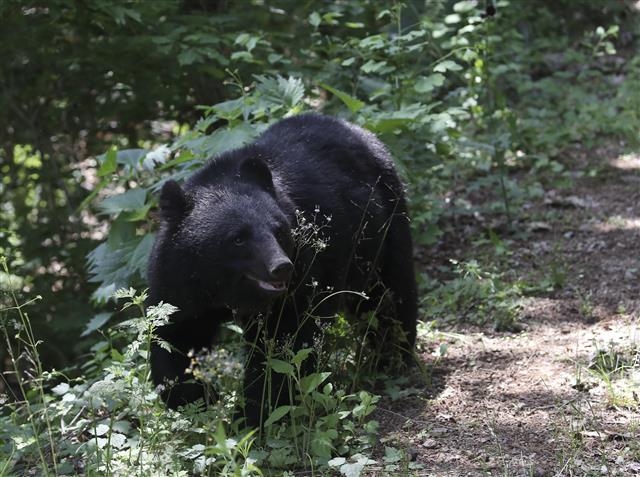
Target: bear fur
{"points": [[230, 246]]}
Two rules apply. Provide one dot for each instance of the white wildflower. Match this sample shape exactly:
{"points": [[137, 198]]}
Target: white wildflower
{"points": [[155, 157]]}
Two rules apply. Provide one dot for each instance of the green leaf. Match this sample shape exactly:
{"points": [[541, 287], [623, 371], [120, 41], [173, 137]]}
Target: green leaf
{"points": [[391, 454], [447, 65], [373, 66], [61, 389], [96, 323], [310, 383], [352, 103], [280, 91], [128, 201], [140, 255], [465, 6], [130, 158], [301, 356], [138, 214], [336, 462], [277, 414], [355, 469], [281, 367], [453, 18], [315, 19], [242, 56], [99, 430], [110, 162], [425, 84], [188, 57], [374, 42], [225, 139], [321, 443], [386, 125]]}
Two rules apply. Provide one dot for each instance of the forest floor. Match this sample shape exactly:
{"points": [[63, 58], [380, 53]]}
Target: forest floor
{"points": [[562, 396]]}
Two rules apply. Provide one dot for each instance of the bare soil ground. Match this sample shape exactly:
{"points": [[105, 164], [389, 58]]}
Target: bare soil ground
{"points": [[545, 401]]}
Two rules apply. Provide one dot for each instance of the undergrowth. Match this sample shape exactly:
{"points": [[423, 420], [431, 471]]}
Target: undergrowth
{"points": [[478, 109], [110, 421]]}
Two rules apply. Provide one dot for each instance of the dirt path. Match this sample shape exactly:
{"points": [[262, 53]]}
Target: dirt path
{"points": [[529, 404]]}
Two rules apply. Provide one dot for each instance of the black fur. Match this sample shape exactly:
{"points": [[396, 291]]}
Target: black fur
{"points": [[225, 243]]}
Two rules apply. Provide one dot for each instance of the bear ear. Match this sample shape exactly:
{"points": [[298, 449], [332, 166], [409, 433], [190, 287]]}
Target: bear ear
{"points": [[174, 202], [257, 171]]}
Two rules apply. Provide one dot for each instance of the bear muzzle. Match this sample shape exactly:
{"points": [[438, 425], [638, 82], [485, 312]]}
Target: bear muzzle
{"points": [[276, 282]]}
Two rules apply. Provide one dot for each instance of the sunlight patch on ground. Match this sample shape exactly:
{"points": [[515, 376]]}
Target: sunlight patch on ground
{"points": [[627, 162], [617, 222]]}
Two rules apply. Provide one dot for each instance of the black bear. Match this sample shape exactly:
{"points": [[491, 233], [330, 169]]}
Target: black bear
{"points": [[232, 244]]}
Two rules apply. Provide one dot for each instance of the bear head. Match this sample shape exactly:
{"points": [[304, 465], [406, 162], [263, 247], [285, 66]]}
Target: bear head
{"points": [[229, 236]]}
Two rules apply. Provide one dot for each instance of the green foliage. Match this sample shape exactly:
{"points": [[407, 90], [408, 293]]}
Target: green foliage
{"points": [[462, 101], [475, 296], [478, 112], [112, 422]]}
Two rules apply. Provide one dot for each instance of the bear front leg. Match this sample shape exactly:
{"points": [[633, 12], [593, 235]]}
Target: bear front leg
{"points": [[169, 368], [280, 337]]}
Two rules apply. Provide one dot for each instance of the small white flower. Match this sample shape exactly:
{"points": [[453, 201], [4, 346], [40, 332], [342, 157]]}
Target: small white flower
{"points": [[157, 156]]}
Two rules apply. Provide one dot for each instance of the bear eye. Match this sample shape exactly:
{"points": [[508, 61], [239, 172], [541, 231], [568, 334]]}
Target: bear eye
{"points": [[238, 241]]}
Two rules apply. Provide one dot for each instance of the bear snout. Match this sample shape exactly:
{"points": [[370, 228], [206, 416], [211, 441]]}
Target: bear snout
{"points": [[281, 271], [275, 277]]}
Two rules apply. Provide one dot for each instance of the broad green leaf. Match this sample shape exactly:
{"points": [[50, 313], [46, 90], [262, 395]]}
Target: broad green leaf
{"points": [[391, 454], [352, 103], [61, 389], [280, 91], [225, 139], [131, 157], [128, 201], [301, 356], [447, 65], [374, 42], [310, 383], [241, 56], [355, 469], [281, 367], [465, 6], [277, 414], [99, 430], [321, 443], [425, 84], [229, 110], [373, 66], [117, 440], [315, 19], [138, 214], [188, 56], [452, 18]]}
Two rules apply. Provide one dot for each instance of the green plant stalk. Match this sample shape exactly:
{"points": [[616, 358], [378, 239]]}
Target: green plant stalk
{"points": [[33, 347], [139, 302]]}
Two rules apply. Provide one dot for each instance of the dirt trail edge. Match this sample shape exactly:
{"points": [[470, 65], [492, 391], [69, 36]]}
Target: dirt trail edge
{"points": [[562, 397]]}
